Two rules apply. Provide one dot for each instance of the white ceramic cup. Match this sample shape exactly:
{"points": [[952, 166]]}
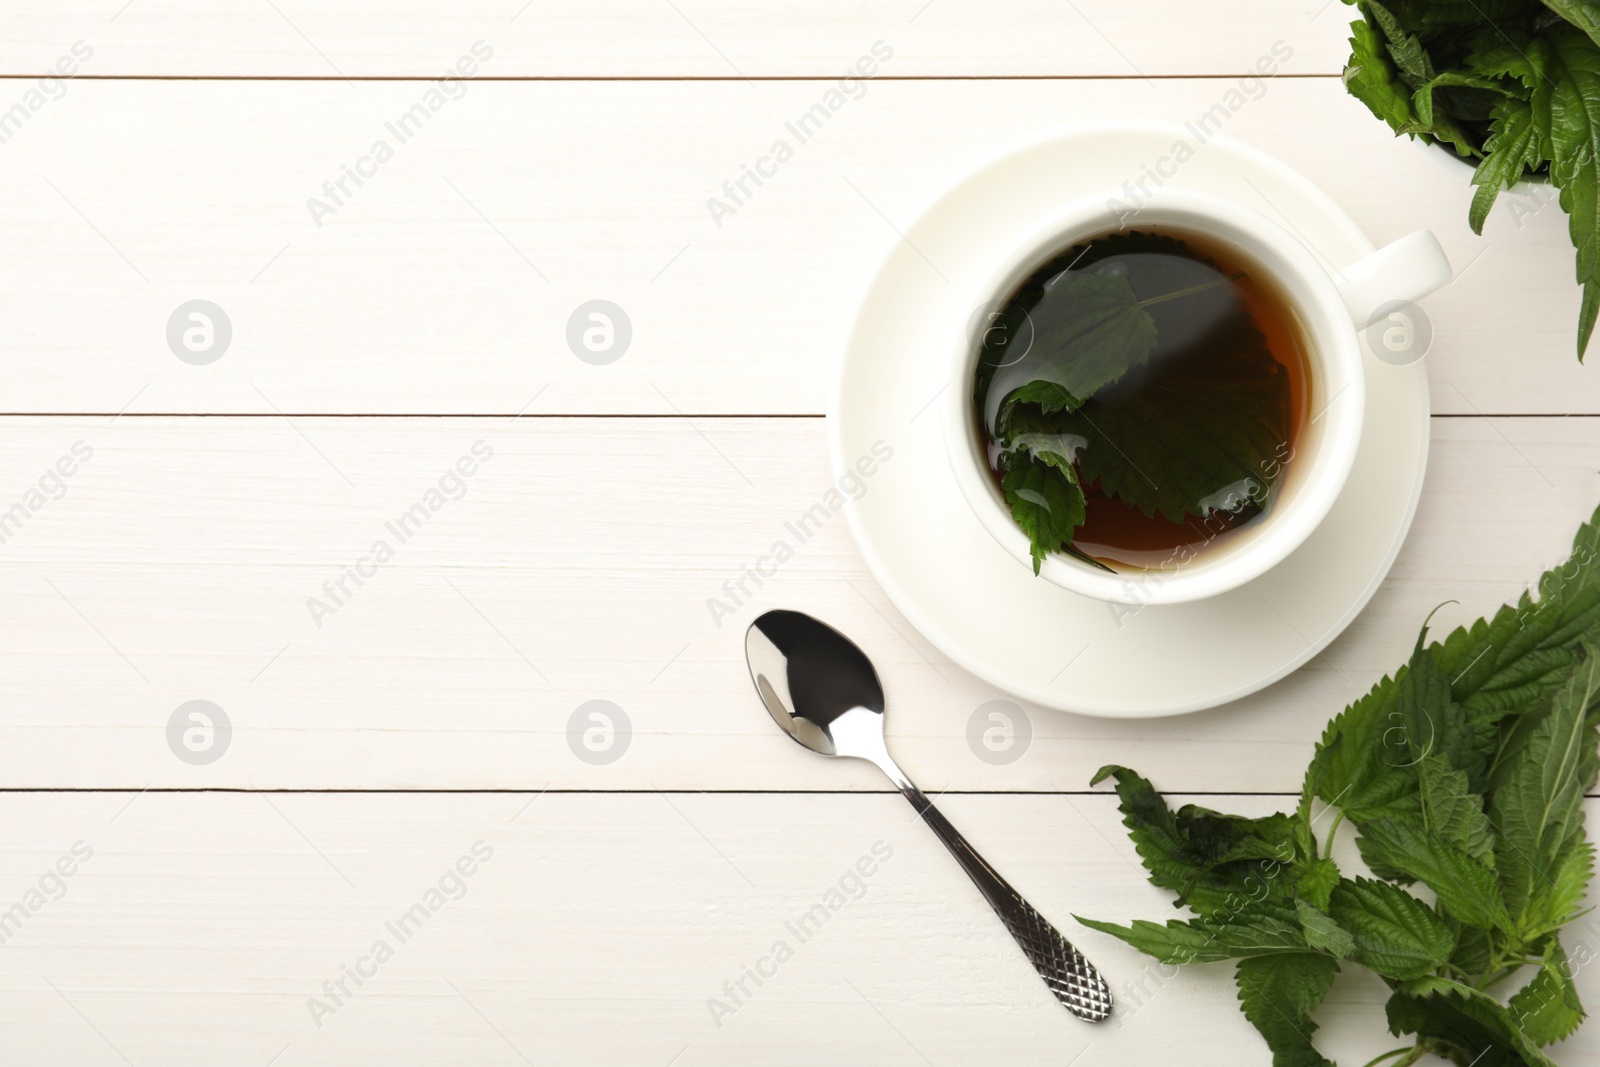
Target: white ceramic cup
{"points": [[1330, 307]]}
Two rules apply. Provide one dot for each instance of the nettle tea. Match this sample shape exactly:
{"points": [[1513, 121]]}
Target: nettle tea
{"points": [[1141, 395]]}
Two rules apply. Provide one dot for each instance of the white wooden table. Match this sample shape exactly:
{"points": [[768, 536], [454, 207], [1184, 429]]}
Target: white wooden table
{"points": [[377, 340]]}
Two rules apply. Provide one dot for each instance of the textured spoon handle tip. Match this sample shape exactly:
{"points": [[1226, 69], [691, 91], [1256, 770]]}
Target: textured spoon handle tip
{"points": [[1071, 977]]}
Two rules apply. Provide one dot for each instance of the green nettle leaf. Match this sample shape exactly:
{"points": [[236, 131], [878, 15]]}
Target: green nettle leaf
{"points": [[1031, 429], [1558, 901], [1323, 933], [1410, 58], [1025, 405], [1452, 810], [1278, 995], [1575, 161], [1526, 61], [1203, 941], [1361, 763], [1525, 652], [1395, 933], [1461, 1023], [1538, 812], [1584, 14], [1438, 735], [1218, 865], [1438, 122], [1511, 151], [1183, 443], [1316, 882], [1369, 77], [1547, 1008], [1046, 501], [1087, 330], [1013, 335], [1467, 888]]}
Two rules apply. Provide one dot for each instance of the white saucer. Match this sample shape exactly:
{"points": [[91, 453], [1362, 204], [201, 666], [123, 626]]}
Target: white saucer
{"points": [[962, 590]]}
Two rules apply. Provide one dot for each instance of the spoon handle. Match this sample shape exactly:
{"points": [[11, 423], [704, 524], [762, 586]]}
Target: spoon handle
{"points": [[1071, 977]]}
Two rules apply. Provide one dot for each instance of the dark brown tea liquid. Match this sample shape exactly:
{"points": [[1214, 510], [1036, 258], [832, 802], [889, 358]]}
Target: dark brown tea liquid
{"points": [[1198, 342]]}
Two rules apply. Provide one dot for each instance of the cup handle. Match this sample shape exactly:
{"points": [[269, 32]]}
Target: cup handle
{"points": [[1408, 269]]}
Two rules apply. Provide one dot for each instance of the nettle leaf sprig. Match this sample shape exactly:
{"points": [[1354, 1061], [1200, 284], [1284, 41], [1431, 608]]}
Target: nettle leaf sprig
{"points": [[1463, 776], [1511, 84]]}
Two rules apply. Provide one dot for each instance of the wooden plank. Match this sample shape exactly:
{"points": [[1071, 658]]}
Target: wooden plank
{"points": [[187, 561], [446, 283], [597, 930], [683, 39]]}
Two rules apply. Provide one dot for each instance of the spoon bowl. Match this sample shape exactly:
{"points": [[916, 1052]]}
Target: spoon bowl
{"points": [[816, 684]]}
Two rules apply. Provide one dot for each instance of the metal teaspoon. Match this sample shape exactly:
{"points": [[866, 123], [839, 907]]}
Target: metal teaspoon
{"points": [[825, 694]]}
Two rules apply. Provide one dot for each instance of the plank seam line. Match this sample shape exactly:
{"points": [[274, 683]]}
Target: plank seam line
{"points": [[509, 415], [19, 790], [650, 78], [403, 415]]}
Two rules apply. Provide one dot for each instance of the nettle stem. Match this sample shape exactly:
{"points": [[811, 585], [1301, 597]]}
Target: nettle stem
{"points": [[1327, 848], [1412, 1056], [1389, 1055], [1202, 287]]}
